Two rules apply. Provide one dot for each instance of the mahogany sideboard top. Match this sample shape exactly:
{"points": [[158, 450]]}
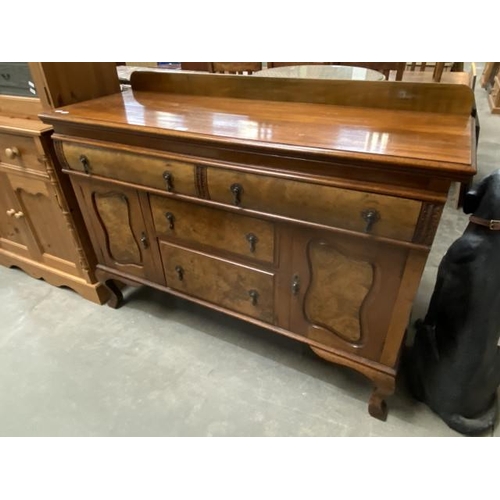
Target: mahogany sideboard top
{"points": [[304, 206]]}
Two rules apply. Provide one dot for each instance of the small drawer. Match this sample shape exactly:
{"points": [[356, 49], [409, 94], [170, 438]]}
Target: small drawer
{"points": [[20, 150], [152, 171], [379, 215], [239, 288], [246, 236]]}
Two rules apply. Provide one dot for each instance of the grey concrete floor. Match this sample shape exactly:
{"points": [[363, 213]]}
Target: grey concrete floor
{"points": [[161, 366]]}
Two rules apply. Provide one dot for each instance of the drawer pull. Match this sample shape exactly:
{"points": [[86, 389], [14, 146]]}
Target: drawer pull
{"points": [[18, 215], [254, 295], [295, 284], [170, 217], [180, 272], [12, 153], [237, 190], [85, 164], [144, 240], [370, 216], [252, 240], [168, 178], [11, 212]]}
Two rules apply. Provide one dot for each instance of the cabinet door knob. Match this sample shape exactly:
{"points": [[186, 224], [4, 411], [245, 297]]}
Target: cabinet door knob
{"points": [[169, 181], [18, 215], [252, 240], [295, 284], [170, 217], [370, 216], [85, 164], [237, 190], [11, 212], [144, 240], [180, 272], [12, 153], [254, 295]]}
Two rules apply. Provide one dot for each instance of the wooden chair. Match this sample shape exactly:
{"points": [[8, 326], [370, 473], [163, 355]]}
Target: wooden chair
{"points": [[235, 68], [383, 67], [436, 67]]}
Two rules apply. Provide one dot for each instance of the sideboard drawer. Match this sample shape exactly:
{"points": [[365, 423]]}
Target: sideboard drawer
{"points": [[336, 207], [239, 288], [152, 171], [246, 236], [21, 151]]}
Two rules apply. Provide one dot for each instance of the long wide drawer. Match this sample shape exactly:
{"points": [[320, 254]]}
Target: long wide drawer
{"points": [[239, 288], [246, 236], [355, 210], [152, 171]]}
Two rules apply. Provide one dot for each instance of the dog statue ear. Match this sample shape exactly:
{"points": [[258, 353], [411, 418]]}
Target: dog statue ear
{"points": [[473, 197]]}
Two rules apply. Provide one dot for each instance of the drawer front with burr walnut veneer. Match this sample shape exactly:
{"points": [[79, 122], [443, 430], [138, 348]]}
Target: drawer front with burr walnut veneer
{"points": [[147, 170], [295, 210]]}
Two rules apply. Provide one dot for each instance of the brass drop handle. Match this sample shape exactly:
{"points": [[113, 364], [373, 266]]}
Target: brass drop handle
{"points": [[252, 240], [85, 163], [370, 216], [169, 181], [12, 153], [170, 217], [180, 272], [295, 284], [237, 190], [18, 215], [144, 240], [254, 295], [11, 212]]}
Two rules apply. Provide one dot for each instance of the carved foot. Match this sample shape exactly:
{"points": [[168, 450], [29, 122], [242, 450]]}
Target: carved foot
{"points": [[116, 296], [377, 407]]}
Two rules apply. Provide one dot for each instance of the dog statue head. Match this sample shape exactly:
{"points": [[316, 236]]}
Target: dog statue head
{"points": [[483, 199]]}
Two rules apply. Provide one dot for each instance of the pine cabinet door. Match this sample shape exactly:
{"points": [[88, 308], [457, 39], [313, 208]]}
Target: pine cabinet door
{"points": [[14, 235]]}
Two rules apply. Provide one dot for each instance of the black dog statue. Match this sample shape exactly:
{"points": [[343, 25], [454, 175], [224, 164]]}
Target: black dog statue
{"points": [[454, 364]]}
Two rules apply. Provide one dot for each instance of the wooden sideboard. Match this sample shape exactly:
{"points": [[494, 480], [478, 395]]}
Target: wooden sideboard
{"points": [[41, 227], [305, 206]]}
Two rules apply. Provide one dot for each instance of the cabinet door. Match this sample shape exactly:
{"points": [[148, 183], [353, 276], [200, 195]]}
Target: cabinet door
{"points": [[116, 224], [13, 228], [40, 222], [344, 289]]}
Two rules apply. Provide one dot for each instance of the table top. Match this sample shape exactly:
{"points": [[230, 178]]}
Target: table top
{"points": [[324, 129], [322, 72]]}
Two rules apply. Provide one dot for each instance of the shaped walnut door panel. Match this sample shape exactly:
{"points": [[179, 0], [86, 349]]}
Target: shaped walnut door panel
{"points": [[345, 290], [118, 229], [346, 282], [114, 211]]}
